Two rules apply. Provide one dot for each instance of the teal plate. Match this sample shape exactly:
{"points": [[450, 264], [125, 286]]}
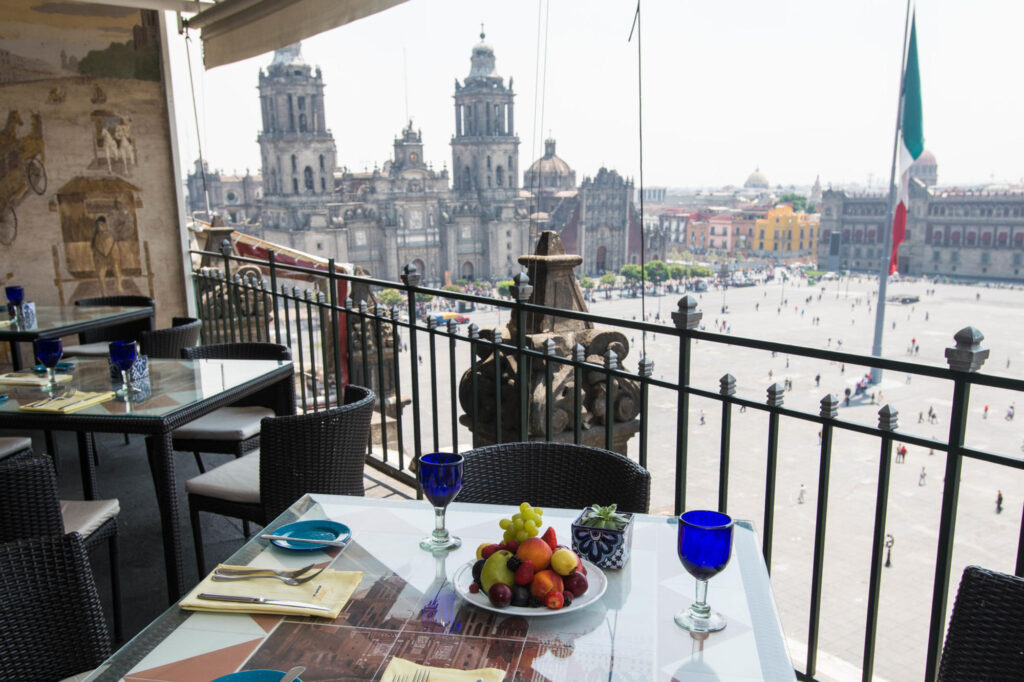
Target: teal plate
{"points": [[254, 676], [312, 530]]}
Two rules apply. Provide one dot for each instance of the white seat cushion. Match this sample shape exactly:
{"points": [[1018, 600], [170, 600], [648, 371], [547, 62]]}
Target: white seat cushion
{"points": [[86, 516], [226, 423], [11, 444], [236, 481], [99, 348]]}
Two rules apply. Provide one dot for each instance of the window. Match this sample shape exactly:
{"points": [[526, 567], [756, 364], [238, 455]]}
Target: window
{"points": [[319, 246], [1018, 259], [308, 178], [323, 185], [321, 163], [295, 185], [986, 258], [295, 163], [954, 256]]}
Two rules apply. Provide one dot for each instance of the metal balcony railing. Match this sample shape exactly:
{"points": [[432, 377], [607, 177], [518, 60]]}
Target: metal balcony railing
{"points": [[385, 349]]}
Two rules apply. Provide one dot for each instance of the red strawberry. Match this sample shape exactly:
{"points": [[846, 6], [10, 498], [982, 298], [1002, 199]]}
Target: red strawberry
{"points": [[489, 550], [554, 599], [524, 574], [549, 537]]}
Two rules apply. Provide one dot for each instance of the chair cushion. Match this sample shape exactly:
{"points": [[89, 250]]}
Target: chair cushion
{"points": [[236, 481], [99, 348], [11, 444], [86, 516], [226, 423]]}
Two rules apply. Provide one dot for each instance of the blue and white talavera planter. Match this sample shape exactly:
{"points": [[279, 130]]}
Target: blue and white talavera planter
{"points": [[605, 547]]}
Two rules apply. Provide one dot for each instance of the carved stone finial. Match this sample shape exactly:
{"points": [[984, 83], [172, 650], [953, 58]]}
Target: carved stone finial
{"points": [[888, 418], [410, 275], [968, 355], [775, 395], [554, 286], [727, 385], [830, 406], [687, 317], [521, 288]]}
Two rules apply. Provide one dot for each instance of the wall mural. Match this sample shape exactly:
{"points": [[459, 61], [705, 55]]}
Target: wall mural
{"points": [[87, 193]]}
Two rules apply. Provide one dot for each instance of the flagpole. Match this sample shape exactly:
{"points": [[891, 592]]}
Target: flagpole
{"points": [[883, 273]]}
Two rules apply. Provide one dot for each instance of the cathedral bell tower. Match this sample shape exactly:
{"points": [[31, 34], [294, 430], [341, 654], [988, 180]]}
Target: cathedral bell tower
{"points": [[485, 149]]}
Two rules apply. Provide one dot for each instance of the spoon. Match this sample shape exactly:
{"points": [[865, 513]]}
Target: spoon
{"points": [[293, 674]]}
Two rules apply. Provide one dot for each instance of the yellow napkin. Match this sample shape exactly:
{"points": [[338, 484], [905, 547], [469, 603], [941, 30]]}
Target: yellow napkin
{"points": [[71, 403], [331, 589], [5, 323], [401, 669], [20, 379]]}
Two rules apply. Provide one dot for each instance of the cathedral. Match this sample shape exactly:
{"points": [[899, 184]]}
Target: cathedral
{"points": [[471, 224]]}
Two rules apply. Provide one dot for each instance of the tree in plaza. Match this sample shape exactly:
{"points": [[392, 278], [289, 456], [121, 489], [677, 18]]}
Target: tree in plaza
{"points": [[586, 282], [799, 202], [657, 271], [608, 279], [505, 287], [390, 297], [677, 271], [701, 271], [631, 272], [451, 287]]}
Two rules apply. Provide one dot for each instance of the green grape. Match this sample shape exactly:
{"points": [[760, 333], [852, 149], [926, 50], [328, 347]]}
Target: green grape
{"points": [[530, 527], [521, 535], [505, 524], [524, 507], [509, 535], [539, 512], [536, 518], [517, 522]]}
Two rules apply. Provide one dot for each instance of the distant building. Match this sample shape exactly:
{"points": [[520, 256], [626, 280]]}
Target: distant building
{"points": [[236, 198], [951, 233], [756, 180], [784, 234]]}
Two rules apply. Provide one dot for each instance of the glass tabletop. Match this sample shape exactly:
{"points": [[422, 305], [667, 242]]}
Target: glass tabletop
{"points": [[53, 318], [172, 385], [407, 606]]}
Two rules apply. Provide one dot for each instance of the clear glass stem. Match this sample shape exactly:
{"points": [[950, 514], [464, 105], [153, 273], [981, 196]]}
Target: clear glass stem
{"points": [[51, 375], [440, 532], [124, 381], [699, 608]]}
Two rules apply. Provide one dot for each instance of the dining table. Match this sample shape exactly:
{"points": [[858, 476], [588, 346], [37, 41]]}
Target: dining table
{"points": [[411, 606], [53, 321], [173, 393]]}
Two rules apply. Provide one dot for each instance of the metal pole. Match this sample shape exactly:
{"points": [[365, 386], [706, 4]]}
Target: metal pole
{"points": [[883, 273]]}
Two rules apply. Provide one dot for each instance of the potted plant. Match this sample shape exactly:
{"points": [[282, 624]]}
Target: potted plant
{"points": [[603, 535]]}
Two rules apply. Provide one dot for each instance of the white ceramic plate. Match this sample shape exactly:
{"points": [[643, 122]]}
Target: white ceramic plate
{"points": [[595, 577]]}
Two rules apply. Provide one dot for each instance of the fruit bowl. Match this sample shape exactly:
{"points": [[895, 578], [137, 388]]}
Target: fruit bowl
{"points": [[598, 584]]}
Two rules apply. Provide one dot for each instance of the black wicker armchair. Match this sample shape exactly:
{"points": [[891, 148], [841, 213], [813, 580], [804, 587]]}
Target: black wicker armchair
{"points": [[94, 342], [232, 430], [15, 446], [985, 640], [167, 343], [321, 452], [29, 507], [554, 475], [52, 625]]}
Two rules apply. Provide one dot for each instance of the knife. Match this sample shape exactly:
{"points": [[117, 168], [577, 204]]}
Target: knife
{"points": [[261, 600], [327, 543]]}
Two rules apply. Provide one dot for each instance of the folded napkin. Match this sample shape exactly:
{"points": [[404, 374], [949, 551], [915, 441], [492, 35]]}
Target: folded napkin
{"points": [[75, 401], [401, 669], [22, 379], [5, 323], [331, 589]]}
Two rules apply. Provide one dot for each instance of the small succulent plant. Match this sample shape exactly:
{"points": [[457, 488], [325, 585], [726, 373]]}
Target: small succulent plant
{"points": [[603, 517]]}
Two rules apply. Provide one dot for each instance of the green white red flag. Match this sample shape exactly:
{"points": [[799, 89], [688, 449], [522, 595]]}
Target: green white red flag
{"points": [[911, 142]]}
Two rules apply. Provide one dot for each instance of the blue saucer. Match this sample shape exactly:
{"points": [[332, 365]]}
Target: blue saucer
{"points": [[254, 676], [312, 530], [61, 367]]}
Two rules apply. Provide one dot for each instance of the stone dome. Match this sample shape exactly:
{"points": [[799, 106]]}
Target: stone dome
{"points": [[549, 171], [482, 61], [288, 55], [757, 180], [926, 159]]}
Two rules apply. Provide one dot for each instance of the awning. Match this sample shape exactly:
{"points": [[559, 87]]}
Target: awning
{"points": [[233, 30]]}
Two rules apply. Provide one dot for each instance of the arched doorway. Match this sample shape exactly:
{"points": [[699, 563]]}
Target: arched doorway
{"points": [[420, 267], [467, 271], [602, 259]]}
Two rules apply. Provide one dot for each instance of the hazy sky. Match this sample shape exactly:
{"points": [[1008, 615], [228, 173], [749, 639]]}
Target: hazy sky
{"points": [[797, 87]]}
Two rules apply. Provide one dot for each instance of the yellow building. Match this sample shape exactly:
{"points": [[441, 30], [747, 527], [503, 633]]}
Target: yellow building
{"points": [[784, 233]]}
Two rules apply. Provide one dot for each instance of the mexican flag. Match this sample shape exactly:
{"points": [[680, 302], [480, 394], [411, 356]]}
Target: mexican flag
{"points": [[911, 142]]}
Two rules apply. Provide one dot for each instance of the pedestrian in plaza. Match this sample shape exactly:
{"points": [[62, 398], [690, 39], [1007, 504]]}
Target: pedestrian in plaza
{"points": [[842, 368], [702, 420], [817, 380], [1009, 413], [984, 415], [920, 417], [909, 376], [999, 502], [921, 478], [801, 495]]}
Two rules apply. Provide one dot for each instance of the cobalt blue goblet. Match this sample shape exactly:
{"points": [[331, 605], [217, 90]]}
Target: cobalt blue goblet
{"points": [[49, 352], [705, 545], [123, 355], [15, 296], [440, 475]]}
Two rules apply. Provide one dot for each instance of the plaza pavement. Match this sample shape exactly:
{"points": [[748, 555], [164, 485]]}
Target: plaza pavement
{"points": [[783, 313]]}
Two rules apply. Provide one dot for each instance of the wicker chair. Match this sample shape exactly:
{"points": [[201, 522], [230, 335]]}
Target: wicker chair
{"points": [[232, 430], [15, 446], [985, 640], [29, 507], [95, 343], [52, 625], [320, 452], [167, 343], [554, 475]]}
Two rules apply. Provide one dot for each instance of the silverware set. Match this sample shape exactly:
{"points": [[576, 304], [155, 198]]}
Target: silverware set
{"points": [[293, 577], [420, 676]]}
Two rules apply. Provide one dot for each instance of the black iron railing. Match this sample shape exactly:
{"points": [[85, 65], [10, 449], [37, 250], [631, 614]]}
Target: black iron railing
{"points": [[383, 347]]}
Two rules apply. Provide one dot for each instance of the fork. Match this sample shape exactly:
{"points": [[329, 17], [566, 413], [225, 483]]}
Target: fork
{"points": [[293, 573], [220, 577]]}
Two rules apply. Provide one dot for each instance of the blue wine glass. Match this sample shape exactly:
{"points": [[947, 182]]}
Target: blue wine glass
{"points": [[49, 352], [705, 545], [440, 475], [15, 296], [123, 355]]}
